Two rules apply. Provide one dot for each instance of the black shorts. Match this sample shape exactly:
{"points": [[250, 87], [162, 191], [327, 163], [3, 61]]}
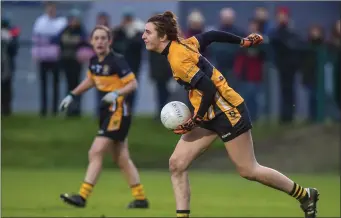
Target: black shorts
{"points": [[230, 124], [113, 125]]}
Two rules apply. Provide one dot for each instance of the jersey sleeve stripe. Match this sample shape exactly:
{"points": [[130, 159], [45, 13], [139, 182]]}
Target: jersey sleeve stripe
{"points": [[128, 78]]}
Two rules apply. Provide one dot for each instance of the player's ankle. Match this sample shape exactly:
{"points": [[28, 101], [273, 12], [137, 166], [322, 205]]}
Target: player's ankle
{"points": [[182, 213], [300, 193]]}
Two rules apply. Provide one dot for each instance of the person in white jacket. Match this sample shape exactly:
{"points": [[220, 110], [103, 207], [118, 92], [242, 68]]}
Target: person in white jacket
{"points": [[45, 53]]}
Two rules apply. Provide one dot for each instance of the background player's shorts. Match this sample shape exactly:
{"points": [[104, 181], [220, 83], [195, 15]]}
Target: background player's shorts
{"points": [[230, 124], [113, 125]]}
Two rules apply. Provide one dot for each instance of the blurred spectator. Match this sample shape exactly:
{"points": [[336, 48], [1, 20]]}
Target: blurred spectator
{"points": [[46, 53], [248, 68], [195, 23], [71, 40], [335, 51], [127, 40], [103, 19], [262, 18], [160, 73], [286, 46], [9, 50], [310, 68], [224, 53]]}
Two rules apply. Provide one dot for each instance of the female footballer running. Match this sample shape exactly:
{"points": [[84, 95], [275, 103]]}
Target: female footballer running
{"points": [[219, 111], [109, 73]]}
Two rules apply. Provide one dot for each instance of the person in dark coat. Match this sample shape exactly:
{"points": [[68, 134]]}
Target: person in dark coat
{"points": [[71, 40], [335, 52], [127, 40], [309, 68], [224, 54], [160, 73], [286, 46], [9, 50]]}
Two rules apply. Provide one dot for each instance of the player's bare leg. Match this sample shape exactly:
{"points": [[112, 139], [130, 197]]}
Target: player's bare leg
{"points": [[242, 155], [97, 151], [188, 148], [120, 155], [96, 154]]}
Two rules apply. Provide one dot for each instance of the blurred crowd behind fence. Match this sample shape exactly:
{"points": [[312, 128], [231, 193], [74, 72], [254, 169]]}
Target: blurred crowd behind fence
{"points": [[295, 74]]}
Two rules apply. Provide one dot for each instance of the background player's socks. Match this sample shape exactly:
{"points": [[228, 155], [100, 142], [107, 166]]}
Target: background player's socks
{"points": [[85, 190], [138, 192], [182, 213], [299, 193]]}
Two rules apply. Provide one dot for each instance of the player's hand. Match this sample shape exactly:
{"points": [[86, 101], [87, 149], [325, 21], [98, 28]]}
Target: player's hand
{"points": [[189, 125], [251, 40], [110, 97], [66, 102]]}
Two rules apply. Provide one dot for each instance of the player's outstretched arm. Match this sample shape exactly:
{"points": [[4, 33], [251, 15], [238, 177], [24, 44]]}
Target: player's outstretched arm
{"points": [[205, 39], [82, 87]]}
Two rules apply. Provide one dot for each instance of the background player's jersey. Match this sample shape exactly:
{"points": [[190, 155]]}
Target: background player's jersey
{"points": [[188, 66], [109, 75]]}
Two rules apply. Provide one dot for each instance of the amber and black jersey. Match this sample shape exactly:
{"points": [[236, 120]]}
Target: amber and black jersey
{"points": [[190, 67], [109, 75]]}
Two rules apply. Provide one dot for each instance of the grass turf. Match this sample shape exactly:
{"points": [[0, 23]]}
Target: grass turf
{"points": [[41, 158], [31, 141], [28, 193]]}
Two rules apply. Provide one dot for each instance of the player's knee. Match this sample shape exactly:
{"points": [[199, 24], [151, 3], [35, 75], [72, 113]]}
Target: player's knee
{"points": [[96, 152], [176, 165], [247, 172], [92, 154]]}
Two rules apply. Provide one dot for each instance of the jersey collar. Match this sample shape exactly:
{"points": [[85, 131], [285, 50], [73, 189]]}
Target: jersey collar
{"points": [[109, 54], [166, 50]]}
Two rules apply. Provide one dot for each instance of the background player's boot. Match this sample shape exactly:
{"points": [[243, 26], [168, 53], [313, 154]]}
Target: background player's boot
{"points": [[142, 204], [74, 200], [310, 206]]}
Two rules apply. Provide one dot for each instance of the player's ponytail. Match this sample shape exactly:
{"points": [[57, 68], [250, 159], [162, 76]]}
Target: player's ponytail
{"points": [[169, 14], [166, 24]]}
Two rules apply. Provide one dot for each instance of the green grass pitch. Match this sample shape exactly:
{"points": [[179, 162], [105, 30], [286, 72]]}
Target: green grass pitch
{"points": [[36, 193]]}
